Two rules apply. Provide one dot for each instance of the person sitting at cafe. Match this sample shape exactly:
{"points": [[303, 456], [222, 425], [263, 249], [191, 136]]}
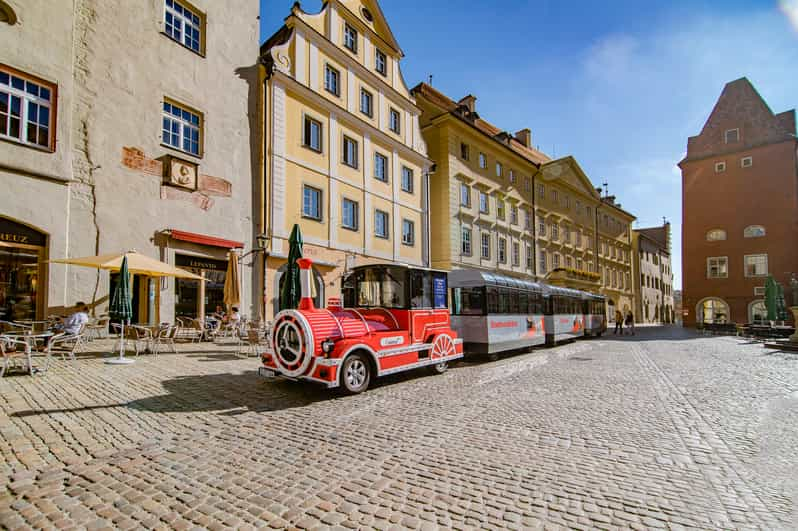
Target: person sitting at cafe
{"points": [[234, 316], [73, 324]]}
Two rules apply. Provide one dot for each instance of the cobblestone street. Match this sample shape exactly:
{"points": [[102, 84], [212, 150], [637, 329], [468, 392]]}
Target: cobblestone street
{"points": [[663, 430]]}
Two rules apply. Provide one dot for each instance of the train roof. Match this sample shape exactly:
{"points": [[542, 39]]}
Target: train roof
{"points": [[470, 278]]}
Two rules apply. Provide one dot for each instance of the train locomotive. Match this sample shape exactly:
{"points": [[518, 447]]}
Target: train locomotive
{"points": [[394, 319]]}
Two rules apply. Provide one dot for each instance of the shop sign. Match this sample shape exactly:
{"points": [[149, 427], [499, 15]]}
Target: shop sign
{"points": [[199, 262], [16, 233]]}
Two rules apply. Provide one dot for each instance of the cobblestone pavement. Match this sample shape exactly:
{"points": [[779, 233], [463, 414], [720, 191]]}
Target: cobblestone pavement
{"points": [[663, 430]]}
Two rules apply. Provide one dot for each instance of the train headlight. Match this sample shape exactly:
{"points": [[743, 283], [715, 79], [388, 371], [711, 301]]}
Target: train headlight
{"points": [[327, 345]]}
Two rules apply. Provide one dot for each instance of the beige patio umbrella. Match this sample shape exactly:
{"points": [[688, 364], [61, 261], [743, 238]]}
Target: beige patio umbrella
{"points": [[138, 264], [232, 291]]}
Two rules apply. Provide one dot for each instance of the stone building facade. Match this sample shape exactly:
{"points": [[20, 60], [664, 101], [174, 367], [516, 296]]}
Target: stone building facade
{"points": [[739, 207], [345, 159], [125, 125], [652, 255]]}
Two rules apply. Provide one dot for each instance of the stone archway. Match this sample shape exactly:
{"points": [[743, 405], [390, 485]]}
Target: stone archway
{"points": [[23, 270], [7, 14], [712, 310]]}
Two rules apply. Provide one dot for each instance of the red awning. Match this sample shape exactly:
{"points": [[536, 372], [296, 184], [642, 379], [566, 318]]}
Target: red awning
{"points": [[205, 240]]}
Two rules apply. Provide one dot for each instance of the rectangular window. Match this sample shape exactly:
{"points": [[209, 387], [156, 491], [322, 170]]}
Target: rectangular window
{"points": [[512, 177], [542, 262], [350, 38], [756, 265], [27, 110], [408, 232], [465, 195], [499, 169], [500, 209], [465, 241], [311, 202], [484, 207], [555, 232], [380, 62], [351, 217], [529, 257], [746, 162], [516, 254], [483, 161], [569, 262], [579, 264], [720, 167], [541, 191], [407, 180], [555, 262], [513, 215], [464, 151], [184, 25], [566, 233], [718, 267], [312, 135], [332, 80], [527, 185], [350, 152], [395, 122], [567, 201], [541, 228], [503, 250], [182, 128], [527, 220], [579, 239], [485, 251], [381, 224], [366, 103], [555, 196], [381, 167], [732, 136]]}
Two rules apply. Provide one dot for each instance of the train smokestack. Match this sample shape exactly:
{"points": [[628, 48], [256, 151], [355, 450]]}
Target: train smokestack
{"points": [[306, 302]]}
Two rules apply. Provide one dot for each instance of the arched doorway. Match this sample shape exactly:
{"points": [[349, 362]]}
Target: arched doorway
{"points": [[757, 312], [712, 310], [317, 286], [23, 271]]}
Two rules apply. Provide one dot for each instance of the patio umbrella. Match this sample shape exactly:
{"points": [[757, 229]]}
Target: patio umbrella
{"points": [[291, 290], [121, 309], [138, 264], [232, 291], [781, 306], [771, 296]]}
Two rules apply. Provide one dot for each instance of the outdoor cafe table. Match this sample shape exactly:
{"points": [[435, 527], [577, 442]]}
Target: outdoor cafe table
{"points": [[31, 341]]}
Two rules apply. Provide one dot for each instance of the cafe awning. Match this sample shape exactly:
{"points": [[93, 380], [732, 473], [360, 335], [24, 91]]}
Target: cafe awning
{"points": [[203, 239]]}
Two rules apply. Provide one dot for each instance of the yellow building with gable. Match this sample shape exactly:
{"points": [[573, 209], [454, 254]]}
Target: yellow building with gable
{"points": [[344, 156]]}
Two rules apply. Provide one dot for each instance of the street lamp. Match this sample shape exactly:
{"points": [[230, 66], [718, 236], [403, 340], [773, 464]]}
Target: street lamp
{"points": [[262, 246]]}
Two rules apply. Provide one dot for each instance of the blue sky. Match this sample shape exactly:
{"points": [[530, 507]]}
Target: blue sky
{"points": [[619, 85]]}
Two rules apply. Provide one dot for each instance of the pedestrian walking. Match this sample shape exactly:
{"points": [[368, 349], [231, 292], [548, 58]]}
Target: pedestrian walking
{"points": [[618, 322], [630, 323]]}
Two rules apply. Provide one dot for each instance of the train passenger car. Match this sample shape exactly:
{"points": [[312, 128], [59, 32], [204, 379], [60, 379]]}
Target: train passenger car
{"points": [[494, 313], [564, 317], [396, 319], [595, 318]]}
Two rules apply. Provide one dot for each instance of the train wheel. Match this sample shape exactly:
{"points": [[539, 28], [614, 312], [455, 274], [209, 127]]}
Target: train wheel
{"points": [[355, 373], [439, 368]]}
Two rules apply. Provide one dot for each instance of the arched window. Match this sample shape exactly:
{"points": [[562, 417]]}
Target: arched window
{"points": [[712, 311], [754, 231], [757, 312], [716, 235], [7, 14]]}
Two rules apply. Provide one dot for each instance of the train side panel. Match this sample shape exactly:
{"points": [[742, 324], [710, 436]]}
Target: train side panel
{"points": [[489, 334]]}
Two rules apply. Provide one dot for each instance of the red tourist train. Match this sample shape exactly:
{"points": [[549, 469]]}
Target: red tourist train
{"points": [[395, 318]]}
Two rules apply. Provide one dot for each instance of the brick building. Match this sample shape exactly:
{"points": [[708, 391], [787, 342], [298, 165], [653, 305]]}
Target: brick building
{"points": [[740, 207]]}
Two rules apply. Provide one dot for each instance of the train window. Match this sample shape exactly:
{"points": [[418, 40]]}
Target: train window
{"points": [[512, 301], [493, 300], [420, 289], [504, 301], [468, 301], [535, 303], [523, 302], [380, 288]]}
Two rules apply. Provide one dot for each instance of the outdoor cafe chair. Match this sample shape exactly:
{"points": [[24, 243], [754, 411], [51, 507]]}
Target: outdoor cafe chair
{"points": [[97, 328], [14, 350], [165, 338], [65, 344]]}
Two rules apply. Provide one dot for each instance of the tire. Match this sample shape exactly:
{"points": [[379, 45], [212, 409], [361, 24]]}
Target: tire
{"points": [[356, 373], [439, 368]]}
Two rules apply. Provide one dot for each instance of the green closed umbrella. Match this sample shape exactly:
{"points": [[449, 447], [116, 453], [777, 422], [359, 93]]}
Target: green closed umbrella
{"points": [[771, 296], [122, 310], [291, 289], [781, 306]]}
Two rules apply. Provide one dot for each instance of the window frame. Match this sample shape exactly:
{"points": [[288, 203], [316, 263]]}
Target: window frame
{"points": [[748, 159], [748, 232], [355, 227], [465, 151], [725, 260], [483, 161], [398, 122], [405, 172], [387, 216], [736, 131], [412, 225], [466, 241], [25, 100], [370, 98], [485, 245], [350, 30], [346, 141], [307, 119], [201, 25], [515, 251], [484, 195], [386, 167], [499, 169], [329, 69], [200, 127], [465, 188], [718, 232], [756, 275], [720, 166], [501, 249], [377, 55], [320, 192]]}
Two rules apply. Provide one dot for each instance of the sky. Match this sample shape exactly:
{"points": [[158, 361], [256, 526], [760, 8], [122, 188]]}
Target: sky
{"points": [[620, 84]]}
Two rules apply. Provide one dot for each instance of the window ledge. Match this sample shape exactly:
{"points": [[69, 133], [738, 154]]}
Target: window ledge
{"points": [[184, 153], [195, 52]]}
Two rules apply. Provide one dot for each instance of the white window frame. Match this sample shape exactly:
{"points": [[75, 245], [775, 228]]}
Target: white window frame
{"points": [[500, 213], [530, 257], [513, 215], [350, 38], [366, 97], [542, 262], [465, 193], [724, 260], [748, 232], [746, 162], [380, 62], [381, 214], [466, 241], [408, 228], [720, 167], [485, 245], [320, 204], [516, 252], [484, 203], [355, 225], [25, 97], [395, 121], [501, 250], [345, 154], [385, 167], [306, 141], [332, 73], [186, 126], [499, 169], [184, 16], [483, 161], [408, 179], [726, 135], [745, 265], [720, 233]]}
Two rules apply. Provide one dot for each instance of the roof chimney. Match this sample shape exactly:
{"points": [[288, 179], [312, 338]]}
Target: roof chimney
{"points": [[470, 102], [524, 136]]}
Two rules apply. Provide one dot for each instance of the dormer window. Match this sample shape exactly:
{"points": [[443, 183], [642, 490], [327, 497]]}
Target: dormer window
{"points": [[746, 162], [350, 38], [732, 136]]}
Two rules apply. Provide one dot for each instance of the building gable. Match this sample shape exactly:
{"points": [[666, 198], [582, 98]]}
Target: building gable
{"points": [[369, 13], [741, 108], [567, 171]]}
